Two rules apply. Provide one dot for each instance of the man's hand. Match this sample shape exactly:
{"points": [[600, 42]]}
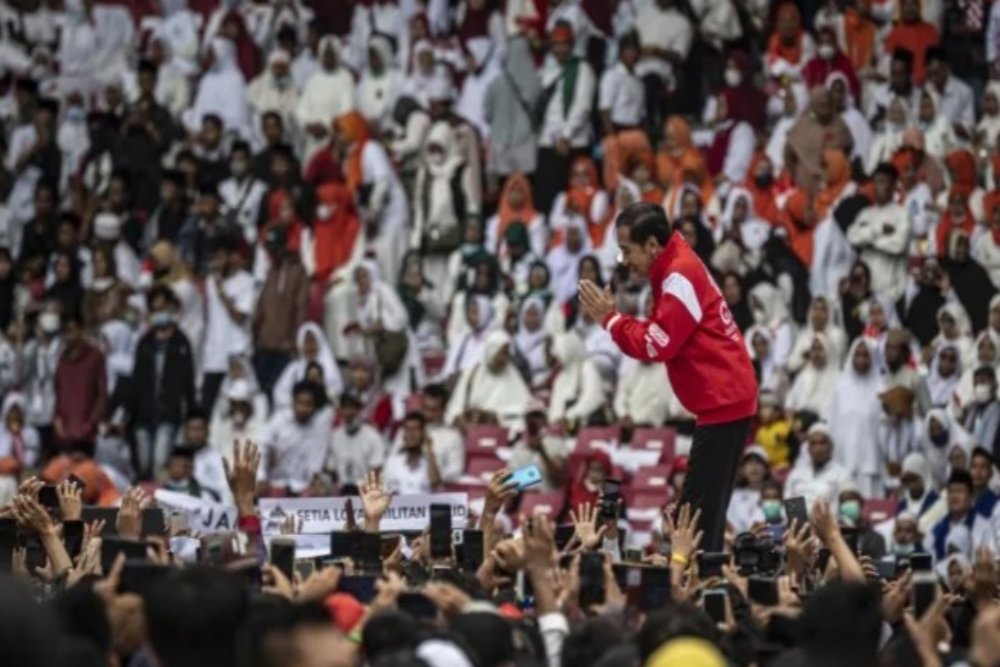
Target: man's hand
{"points": [[69, 501], [242, 476], [497, 493], [684, 534], [586, 532], [374, 500], [32, 516], [596, 303], [130, 514]]}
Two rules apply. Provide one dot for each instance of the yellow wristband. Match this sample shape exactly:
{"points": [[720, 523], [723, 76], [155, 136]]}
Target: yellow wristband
{"points": [[679, 559]]}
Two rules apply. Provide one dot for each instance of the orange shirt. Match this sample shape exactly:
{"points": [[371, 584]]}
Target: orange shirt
{"points": [[915, 38]]}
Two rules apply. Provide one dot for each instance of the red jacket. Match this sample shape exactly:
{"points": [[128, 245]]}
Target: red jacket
{"points": [[693, 333]]}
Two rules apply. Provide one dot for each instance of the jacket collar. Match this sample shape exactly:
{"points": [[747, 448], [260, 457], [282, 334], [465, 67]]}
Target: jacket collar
{"points": [[661, 265]]}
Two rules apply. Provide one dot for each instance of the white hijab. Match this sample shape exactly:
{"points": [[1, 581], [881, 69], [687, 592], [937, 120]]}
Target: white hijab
{"points": [[939, 388], [564, 265], [813, 386], [222, 91], [295, 371], [856, 413]]}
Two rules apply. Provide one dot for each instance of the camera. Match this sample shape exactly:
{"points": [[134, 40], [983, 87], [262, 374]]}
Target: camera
{"points": [[755, 555]]}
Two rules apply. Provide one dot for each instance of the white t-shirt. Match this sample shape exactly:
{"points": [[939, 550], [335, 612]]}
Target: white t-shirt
{"points": [[224, 337], [402, 479], [622, 95]]}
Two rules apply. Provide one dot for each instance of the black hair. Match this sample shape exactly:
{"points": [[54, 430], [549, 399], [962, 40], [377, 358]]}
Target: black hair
{"points": [[349, 398], [71, 315], [389, 631], [904, 56], [982, 452], [935, 54], [413, 415], [961, 477], [208, 188], [272, 115], [676, 620], [590, 640], [213, 118], [79, 613], [886, 169], [161, 292], [985, 371], [644, 221], [240, 146], [147, 65], [311, 388], [49, 104], [438, 391], [629, 40], [196, 413]]}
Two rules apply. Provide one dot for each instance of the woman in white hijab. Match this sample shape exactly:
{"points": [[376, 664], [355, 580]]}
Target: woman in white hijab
{"points": [[769, 310], [824, 316], [955, 328], [380, 309], [564, 260], [531, 342], [861, 131], [988, 129], [492, 390], [380, 84], [313, 348], [576, 393], [222, 91], [889, 139], [943, 375], [466, 352], [760, 346], [329, 93], [179, 32], [945, 445], [740, 235], [986, 354], [856, 415], [813, 386], [939, 135], [423, 72]]}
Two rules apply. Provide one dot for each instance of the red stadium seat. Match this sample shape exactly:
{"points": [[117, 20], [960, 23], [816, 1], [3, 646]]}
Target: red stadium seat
{"points": [[484, 439], [548, 504], [651, 478], [483, 467], [598, 437], [656, 438], [877, 511]]}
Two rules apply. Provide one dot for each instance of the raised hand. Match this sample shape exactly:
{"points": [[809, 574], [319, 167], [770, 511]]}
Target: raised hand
{"points": [[242, 476], [586, 531], [684, 534], [130, 514], [374, 500], [70, 503]]}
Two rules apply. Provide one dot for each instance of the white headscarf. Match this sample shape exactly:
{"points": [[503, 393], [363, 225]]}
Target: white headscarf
{"points": [[813, 386], [222, 91], [295, 371], [564, 265], [856, 413], [937, 455], [942, 389]]}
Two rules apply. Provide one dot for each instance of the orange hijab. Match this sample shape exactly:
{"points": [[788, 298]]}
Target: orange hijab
{"points": [[962, 166], [800, 231], [838, 176], [668, 162], [992, 198], [506, 213], [764, 205], [775, 47], [335, 234], [580, 199], [353, 126], [859, 33]]}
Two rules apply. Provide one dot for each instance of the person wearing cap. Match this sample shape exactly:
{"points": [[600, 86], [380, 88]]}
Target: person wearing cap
{"points": [[274, 89], [163, 379], [917, 494], [356, 447], [850, 511], [961, 518], [773, 429], [327, 94], [821, 477], [568, 88], [534, 446], [108, 233], [982, 418], [745, 509], [907, 536]]}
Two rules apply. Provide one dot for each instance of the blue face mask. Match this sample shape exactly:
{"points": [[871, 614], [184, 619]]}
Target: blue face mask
{"points": [[772, 510], [161, 319], [904, 549], [851, 511]]}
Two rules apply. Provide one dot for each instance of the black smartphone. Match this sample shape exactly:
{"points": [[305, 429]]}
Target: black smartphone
{"points": [[387, 545], [283, 556], [621, 570], [822, 560], [440, 533], [886, 569], [8, 541], [417, 605], [920, 562], [925, 590], [796, 510], [472, 549], [715, 604], [763, 590], [611, 500], [654, 588], [153, 522], [710, 564], [35, 556], [361, 586], [369, 548], [47, 496], [72, 536], [138, 576], [633, 556], [112, 546], [343, 544], [305, 568], [850, 534], [109, 515], [591, 579], [563, 535], [77, 482]]}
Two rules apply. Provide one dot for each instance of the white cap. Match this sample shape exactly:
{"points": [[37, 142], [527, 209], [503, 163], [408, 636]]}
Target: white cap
{"points": [[850, 486], [440, 89], [758, 451], [915, 464], [821, 428], [107, 226], [279, 57], [239, 390]]}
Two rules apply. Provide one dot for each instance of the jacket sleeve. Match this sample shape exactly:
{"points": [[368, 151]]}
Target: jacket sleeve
{"points": [[678, 312]]}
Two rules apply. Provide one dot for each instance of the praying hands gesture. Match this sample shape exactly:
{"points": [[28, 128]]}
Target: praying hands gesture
{"points": [[596, 303]]}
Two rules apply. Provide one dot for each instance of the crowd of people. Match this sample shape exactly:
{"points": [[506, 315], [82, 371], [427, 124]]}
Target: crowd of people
{"points": [[351, 231]]}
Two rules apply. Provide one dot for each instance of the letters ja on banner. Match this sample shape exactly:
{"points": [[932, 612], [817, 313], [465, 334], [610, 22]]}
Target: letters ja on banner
{"points": [[322, 515]]}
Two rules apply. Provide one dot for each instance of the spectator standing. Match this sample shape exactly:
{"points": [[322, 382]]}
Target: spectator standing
{"points": [[296, 441], [80, 385]]}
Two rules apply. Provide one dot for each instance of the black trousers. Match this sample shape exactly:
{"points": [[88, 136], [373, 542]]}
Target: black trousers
{"points": [[712, 465]]}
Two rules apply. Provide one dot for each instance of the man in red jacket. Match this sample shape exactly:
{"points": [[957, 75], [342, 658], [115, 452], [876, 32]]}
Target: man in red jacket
{"points": [[694, 334]]}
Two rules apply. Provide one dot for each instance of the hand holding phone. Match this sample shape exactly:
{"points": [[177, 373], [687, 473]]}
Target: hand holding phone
{"points": [[796, 510], [283, 556]]}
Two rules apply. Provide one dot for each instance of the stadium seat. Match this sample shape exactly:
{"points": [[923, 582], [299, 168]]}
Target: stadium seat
{"points": [[484, 440], [548, 504], [651, 478], [433, 363], [597, 437], [656, 438], [878, 510], [483, 467]]}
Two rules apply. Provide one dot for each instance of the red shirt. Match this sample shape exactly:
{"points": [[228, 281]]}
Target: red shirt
{"points": [[81, 393], [694, 334]]}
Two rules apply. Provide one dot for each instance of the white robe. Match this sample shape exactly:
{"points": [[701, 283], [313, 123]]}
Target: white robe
{"points": [[223, 92], [577, 391]]}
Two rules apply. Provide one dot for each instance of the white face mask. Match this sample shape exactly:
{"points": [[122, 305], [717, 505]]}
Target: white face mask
{"points": [[983, 393], [49, 322], [734, 77], [435, 158], [102, 284], [826, 51]]}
